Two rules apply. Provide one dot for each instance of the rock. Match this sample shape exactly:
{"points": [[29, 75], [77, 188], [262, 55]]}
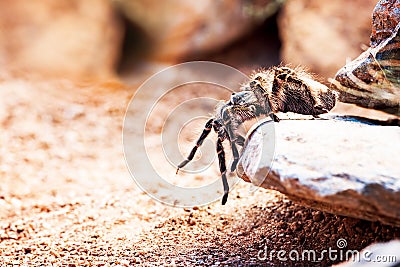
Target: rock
{"points": [[178, 28], [67, 38], [322, 34], [382, 254], [385, 18], [373, 79], [339, 165]]}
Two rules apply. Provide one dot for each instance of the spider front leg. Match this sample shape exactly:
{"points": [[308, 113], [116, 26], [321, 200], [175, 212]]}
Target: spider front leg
{"points": [[274, 117], [229, 121], [222, 168], [204, 134], [233, 116], [235, 152], [240, 140]]}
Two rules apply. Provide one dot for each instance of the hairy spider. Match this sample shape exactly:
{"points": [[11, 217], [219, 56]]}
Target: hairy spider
{"points": [[267, 92]]}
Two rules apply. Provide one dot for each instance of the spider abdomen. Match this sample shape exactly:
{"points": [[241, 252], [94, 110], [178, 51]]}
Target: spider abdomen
{"points": [[294, 90], [304, 100]]}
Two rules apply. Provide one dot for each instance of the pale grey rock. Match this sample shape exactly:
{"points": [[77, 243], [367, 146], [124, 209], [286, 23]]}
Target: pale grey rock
{"points": [[341, 165]]}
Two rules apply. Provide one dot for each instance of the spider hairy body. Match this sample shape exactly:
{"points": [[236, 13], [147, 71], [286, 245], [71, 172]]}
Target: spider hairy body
{"points": [[278, 89]]}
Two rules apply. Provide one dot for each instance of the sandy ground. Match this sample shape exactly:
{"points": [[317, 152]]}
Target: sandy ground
{"points": [[67, 199]]}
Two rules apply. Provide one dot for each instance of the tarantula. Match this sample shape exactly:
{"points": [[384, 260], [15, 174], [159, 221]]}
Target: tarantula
{"points": [[267, 92]]}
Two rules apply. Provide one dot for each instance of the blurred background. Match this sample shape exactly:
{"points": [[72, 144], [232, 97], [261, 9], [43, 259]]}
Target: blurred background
{"points": [[99, 39]]}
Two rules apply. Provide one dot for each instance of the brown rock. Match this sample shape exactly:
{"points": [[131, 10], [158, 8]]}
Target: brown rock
{"points": [[177, 28], [385, 18], [372, 80], [68, 38], [321, 35]]}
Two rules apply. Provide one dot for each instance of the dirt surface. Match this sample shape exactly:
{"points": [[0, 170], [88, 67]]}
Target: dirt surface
{"points": [[253, 233], [66, 197]]}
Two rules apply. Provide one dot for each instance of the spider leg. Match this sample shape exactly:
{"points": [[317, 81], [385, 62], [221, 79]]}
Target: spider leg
{"points": [[222, 168], [240, 140], [274, 117], [230, 123], [235, 152], [233, 117], [204, 134]]}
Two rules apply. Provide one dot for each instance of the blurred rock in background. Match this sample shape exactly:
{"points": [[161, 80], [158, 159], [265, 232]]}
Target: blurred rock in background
{"points": [[176, 29], [322, 34], [63, 38]]}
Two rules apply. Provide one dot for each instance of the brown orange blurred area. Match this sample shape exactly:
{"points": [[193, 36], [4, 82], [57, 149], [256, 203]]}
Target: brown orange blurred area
{"points": [[72, 39], [103, 39]]}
